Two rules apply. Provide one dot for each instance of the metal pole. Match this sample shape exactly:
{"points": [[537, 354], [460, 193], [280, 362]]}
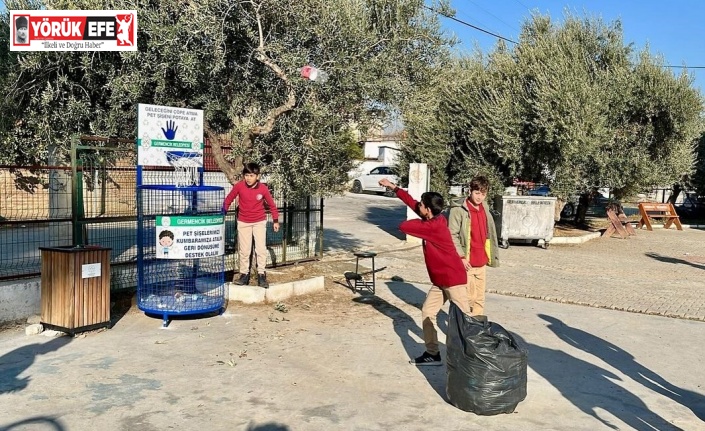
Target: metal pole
{"points": [[76, 197], [308, 225], [320, 233], [103, 185], [285, 227]]}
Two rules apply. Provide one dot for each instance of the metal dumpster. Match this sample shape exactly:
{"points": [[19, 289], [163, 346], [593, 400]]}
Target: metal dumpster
{"points": [[525, 218]]}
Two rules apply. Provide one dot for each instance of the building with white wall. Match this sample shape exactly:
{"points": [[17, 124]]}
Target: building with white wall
{"points": [[379, 149]]}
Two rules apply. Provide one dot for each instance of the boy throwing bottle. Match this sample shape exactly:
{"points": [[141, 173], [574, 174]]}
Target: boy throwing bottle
{"points": [[444, 266]]}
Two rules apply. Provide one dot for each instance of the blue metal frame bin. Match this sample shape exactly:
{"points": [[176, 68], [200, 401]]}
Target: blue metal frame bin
{"points": [[177, 287]]}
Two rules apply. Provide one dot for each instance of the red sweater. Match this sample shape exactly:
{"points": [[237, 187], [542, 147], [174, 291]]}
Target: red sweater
{"points": [[445, 268], [251, 206]]}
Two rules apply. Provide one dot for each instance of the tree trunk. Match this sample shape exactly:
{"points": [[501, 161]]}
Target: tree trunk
{"points": [[560, 203], [583, 204], [677, 189], [231, 171]]}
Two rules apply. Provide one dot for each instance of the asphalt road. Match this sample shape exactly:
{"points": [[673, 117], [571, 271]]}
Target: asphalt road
{"points": [[362, 221]]}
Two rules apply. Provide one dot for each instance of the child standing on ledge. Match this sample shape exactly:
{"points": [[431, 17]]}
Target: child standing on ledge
{"points": [[252, 222]]}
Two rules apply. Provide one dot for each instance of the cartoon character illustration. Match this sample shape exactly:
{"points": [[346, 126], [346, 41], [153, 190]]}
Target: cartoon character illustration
{"points": [[166, 240], [124, 30]]}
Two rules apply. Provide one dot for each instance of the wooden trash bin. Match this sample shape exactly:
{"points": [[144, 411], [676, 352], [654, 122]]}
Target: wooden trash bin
{"points": [[75, 293]]}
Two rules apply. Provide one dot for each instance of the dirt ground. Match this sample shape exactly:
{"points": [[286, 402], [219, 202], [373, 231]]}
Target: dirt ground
{"points": [[570, 230]]}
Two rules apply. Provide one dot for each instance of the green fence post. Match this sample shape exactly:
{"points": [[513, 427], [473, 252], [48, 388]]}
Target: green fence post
{"points": [[320, 233], [284, 234], [77, 214], [308, 226]]}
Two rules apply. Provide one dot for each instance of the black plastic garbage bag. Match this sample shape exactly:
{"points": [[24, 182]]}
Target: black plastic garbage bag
{"points": [[486, 372]]}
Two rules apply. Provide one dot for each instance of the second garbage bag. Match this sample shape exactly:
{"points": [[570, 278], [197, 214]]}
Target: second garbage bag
{"points": [[486, 367]]}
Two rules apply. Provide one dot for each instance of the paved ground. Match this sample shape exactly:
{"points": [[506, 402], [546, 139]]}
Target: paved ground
{"points": [[655, 272], [337, 360], [343, 367]]}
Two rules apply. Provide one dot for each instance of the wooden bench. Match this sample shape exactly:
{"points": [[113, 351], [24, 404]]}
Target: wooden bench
{"points": [[654, 210], [619, 223]]}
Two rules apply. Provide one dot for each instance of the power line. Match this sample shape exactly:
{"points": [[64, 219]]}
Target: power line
{"points": [[684, 67], [468, 24], [462, 15], [525, 6], [493, 15], [512, 41]]}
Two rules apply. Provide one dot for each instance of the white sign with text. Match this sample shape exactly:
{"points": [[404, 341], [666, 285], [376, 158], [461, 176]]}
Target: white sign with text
{"points": [[190, 237]]}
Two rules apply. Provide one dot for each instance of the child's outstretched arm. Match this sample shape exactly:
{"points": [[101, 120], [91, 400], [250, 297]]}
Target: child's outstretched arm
{"points": [[401, 194]]}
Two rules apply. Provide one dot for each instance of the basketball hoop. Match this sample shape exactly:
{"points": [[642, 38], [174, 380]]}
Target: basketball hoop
{"points": [[186, 164]]}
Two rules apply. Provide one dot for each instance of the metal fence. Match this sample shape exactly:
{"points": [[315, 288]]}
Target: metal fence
{"points": [[93, 202]]}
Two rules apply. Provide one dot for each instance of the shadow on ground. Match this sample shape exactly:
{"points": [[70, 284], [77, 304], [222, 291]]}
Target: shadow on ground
{"points": [[122, 304], [387, 219], [413, 296], [43, 423], [404, 326], [270, 426], [668, 259], [17, 361], [335, 240], [626, 364], [592, 389]]}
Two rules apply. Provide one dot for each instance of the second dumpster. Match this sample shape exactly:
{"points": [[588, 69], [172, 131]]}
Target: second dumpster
{"points": [[526, 218]]}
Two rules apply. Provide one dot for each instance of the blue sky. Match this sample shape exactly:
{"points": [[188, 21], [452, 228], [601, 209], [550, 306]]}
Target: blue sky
{"points": [[674, 29]]}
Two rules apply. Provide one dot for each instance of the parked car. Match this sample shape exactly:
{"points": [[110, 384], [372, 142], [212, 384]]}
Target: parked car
{"points": [[569, 208], [370, 181], [692, 207], [540, 191], [596, 207]]}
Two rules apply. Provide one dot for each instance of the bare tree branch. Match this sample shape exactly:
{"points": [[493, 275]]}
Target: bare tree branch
{"points": [[280, 110], [228, 169], [267, 126]]}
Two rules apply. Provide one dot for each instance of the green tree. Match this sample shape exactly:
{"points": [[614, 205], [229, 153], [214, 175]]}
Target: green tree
{"points": [[697, 181], [238, 60], [569, 105]]}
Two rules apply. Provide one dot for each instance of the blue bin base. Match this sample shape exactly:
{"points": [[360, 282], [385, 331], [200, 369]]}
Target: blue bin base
{"points": [[182, 297]]}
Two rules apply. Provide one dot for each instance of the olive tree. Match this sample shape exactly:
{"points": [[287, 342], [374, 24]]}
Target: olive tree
{"points": [[239, 61], [570, 105]]}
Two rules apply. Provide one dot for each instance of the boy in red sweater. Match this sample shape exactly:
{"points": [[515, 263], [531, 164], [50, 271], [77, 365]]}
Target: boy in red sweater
{"points": [[252, 222], [444, 266]]}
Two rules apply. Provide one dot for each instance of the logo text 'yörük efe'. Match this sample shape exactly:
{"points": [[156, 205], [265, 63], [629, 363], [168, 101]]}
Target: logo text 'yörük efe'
{"points": [[71, 30]]}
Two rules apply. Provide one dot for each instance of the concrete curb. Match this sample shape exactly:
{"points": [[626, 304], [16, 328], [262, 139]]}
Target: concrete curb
{"points": [[276, 292], [557, 240], [685, 226], [19, 299]]}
